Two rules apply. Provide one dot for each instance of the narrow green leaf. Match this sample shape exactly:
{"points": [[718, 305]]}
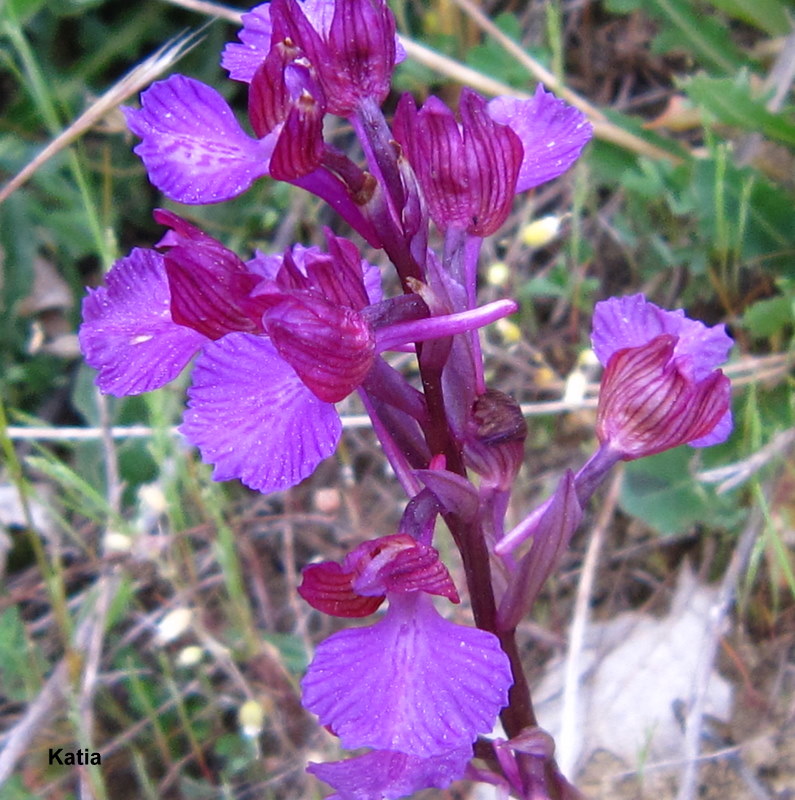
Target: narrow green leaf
{"points": [[768, 234], [730, 101], [703, 36], [92, 503], [767, 15]]}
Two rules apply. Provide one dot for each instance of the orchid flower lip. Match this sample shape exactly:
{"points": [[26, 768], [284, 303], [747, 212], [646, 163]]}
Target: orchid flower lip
{"points": [[413, 682]]}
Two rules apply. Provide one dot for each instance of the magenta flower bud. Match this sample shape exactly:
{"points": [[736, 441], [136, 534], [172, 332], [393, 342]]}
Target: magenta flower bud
{"points": [[467, 172], [660, 387], [494, 446], [285, 92], [396, 564], [353, 57], [330, 347]]}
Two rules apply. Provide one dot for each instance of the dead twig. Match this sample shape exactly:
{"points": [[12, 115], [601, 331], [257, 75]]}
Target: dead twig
{"points": [[733, 475], [709, 648], [567, 746]]}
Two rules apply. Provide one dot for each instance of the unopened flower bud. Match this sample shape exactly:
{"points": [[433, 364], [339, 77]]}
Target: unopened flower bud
{"points": [[495, 445]]}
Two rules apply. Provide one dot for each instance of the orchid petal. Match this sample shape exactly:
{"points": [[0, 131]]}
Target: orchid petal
{"points": [[252, 417], [242, 59], [329, 588], [387, 775], [632, 321], [494, 158], [647, 404], [128, 333], [413, 682], [551, 131], [193, 146], [331, 347], [719, 434]]}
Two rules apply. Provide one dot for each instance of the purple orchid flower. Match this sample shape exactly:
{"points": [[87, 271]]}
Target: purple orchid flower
{"points": [[660, 387], [280, 339], [314, 323], [193, 147], [413, 683], [196, 152], [470, 172]]}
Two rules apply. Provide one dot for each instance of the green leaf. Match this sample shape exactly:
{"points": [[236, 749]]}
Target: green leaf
{"points": [[729, 100], [768, 15], [662, 491], [81, 494], [768, 234], [687, 29], [16, 676], [767, 317], [20, 10]]}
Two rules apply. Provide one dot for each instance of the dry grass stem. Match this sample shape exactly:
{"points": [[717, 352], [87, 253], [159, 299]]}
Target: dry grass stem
{"points": [[743, 372], [603, 128], [209, 9], [140, 77], [688, 785], [732, 475], [570, 713]]}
